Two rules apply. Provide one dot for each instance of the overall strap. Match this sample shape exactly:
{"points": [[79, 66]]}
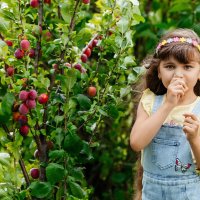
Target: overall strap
{"points": [[157, 102], [196, 109]]}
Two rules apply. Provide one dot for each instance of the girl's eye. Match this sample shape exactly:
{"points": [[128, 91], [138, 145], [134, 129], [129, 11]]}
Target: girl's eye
{"points": [[187, 67], [170, 67]]}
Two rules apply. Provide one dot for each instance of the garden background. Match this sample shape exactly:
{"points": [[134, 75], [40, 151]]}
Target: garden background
{"points": [[68, 76]]}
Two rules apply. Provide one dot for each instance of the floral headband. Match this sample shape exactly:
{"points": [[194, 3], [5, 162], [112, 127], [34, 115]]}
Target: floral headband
{"points": [[178, 39]]}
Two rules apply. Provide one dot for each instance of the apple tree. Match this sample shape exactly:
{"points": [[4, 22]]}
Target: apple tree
{"points": [[66, 69]]}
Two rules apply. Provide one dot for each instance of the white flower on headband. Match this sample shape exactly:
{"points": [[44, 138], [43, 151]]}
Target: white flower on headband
{"points": [[178, 39]]}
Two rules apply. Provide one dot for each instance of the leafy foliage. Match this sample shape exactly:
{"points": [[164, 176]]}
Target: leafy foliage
{"points": [[76, 139]]}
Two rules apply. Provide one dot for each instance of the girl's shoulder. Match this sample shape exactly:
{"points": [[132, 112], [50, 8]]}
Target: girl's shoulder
{"points": [[147, 100]]}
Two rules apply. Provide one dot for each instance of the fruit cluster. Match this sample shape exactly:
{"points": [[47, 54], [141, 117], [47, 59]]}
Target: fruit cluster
{"points": [[35, 3], [24, 50], [87, 51], [28, 102]]}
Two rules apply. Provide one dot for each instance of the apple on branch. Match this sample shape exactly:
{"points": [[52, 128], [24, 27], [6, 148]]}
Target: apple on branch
{"points": [[10, 71], [34, 3], [91, 91], [25, 45], [43, 98], [35, 173], [24, 130]]}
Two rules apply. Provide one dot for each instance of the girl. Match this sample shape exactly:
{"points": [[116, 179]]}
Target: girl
{"points": [[166, 129]]}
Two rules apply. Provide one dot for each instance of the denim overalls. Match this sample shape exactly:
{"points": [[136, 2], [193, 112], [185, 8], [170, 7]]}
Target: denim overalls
{"points": [[169, 171]]}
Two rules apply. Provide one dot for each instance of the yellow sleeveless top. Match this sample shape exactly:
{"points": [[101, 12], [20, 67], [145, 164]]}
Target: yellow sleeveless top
{"points": [[175, 117]]}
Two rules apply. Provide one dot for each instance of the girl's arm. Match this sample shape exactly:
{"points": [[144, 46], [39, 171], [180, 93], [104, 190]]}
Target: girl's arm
{"points": [[146, 127], [191, 127]]}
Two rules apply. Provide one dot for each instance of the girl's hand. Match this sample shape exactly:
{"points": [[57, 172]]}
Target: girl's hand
{"points": [[176, 90], [191, 126]]}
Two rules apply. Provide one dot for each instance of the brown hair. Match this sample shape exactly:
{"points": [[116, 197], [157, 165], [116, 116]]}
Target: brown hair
{"points": [[182, 52]]}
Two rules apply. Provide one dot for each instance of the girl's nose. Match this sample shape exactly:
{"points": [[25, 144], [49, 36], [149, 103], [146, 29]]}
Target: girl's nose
{"points": [[178, 75]]}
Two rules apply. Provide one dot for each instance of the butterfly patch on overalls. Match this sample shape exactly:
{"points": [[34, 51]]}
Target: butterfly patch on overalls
{"points": [[180, 166]]}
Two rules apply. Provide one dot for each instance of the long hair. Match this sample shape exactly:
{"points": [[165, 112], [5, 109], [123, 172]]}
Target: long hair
{"points": [[183, 53]]}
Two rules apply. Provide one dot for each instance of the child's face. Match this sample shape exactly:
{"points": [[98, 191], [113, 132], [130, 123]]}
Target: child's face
{"points": [[171, 69]]}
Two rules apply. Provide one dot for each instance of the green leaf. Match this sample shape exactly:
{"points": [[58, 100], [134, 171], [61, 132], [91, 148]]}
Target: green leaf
{"points": [[113, 111], [6, 107], [125, 91], [65, 11], [129, 35], [83, 36], [129, 61], [122, 24], [4, 25], [58, 119], [73, 143], [76, 190], [7, 103], [40, 189], [180, 7], [68, 81], [59, 136], [55, 173], [4, 161], [56, 154], [7, 14], [3, 49], [84, 101]]}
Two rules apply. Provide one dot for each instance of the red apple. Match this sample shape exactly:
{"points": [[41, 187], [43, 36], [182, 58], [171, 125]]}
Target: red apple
{"points": [[30, 103], [35, 173], [87, 52], [9, 43], [32, 94], [55, 66], [23, 95], [91, 91], [23, 109], [22, 119], [25, 45], [43, 98], [24, 130], [47, 1], [94, 43], [84, 58], [31, 53], [10, 71], [47, 36], [19, 54], [78, 66], [68, 65], [83, 70], [16, 116], [86, 1], [34, 3]]}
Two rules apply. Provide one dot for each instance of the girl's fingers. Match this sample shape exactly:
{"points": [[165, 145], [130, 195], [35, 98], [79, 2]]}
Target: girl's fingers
{"points": [[187, 129], [190, 116], [178, 81], [193, 126]]}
